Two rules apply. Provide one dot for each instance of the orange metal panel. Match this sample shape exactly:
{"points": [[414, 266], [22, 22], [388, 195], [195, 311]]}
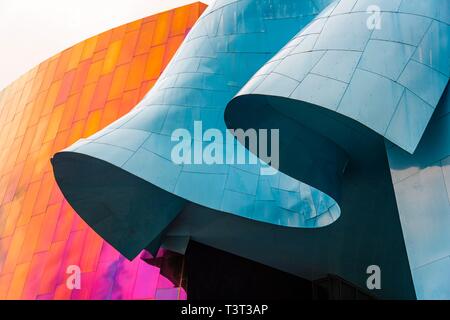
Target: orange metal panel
{"points": [[136, 73], [53, 124], [28, 203], [128, 47], [13, 182], [31, 238], [154, 63], [119, 81], [80, 76], [63, 64], [64, 226], [171, 48], [90, 257], [99, 55], [75, 57], [101, 92], [180, 21], [14, 250], [89, 48], [66, 86], [12, 212], [69, 113], [39, 133], [92, 123], [112, 55], [37, 107], [52, 265], [5, 281], [103, 40], [4, 245], [75, 132], [162, 28], [51, 97], [85, 101], [118, 33], [94, 72], [34, 276], [43, 196], [129, 100], [110, 112], [18, 281], [51, 217], [135, 25], [145, 37], [49, 74]]}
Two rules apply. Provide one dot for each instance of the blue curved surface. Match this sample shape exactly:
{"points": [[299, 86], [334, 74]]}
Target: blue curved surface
{"points": [[389, 79], [344, 80], [230, 41]]}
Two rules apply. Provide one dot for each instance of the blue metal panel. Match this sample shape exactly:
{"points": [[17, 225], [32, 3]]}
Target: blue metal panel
{"points": [[422, 184]]}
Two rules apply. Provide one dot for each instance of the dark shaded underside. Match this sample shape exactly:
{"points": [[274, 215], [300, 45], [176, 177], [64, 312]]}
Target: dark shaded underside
{"points": [[127, 211]]}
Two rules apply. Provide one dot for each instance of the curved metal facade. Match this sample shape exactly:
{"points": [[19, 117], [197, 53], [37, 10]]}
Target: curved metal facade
{"points": [[352, 97]]}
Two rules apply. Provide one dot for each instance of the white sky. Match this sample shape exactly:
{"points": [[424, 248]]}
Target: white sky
{"points": [[34, 30]]}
